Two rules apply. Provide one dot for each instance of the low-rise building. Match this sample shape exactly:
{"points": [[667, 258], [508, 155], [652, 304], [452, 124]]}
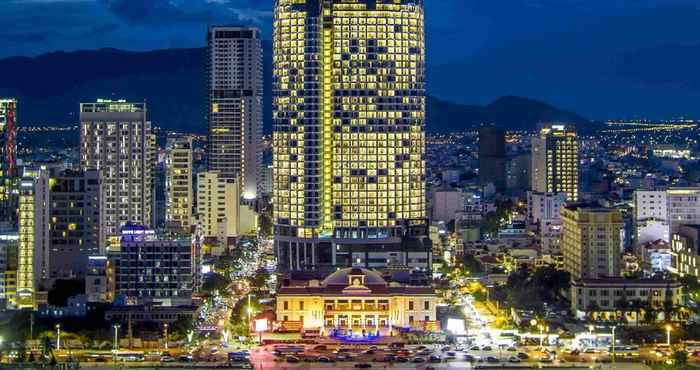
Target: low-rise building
{"points": [[356, 302], [99, 284], [627, 299]]}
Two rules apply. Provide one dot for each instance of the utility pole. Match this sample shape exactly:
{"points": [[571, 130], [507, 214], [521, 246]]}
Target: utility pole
{"points": [[131, 344]]}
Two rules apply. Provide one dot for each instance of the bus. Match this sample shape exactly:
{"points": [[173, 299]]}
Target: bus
{"points": [[130, 356], [281, 350], [624, 351], [692, 346]]}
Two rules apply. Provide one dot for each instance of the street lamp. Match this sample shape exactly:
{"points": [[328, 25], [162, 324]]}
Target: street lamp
{"points": [[58, 337], [613, 343], [668, 335], [116, 340], [165, 326]]}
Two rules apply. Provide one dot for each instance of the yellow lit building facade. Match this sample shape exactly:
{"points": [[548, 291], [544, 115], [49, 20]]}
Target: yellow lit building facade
{"points": [[349, 129], [555, 161], [178, 182], [356, 300], [33, 250], [591, 242]]}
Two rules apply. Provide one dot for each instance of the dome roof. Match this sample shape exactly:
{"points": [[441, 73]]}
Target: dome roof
{"points": [[341, 277]]}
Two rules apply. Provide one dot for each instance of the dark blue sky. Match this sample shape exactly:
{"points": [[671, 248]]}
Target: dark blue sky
{"points": [[601, 58]]}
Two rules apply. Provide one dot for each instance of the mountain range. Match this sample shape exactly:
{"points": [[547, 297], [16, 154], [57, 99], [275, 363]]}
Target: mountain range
{"points": [[49, 88]]}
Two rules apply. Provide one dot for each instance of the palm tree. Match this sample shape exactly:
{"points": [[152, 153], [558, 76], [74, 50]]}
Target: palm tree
{"points": [[592, 309]]}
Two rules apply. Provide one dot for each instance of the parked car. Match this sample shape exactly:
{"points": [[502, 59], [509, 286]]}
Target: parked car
{"points": [[292, 359], [523, 355], [492, 360], [363, 366], [435, 358], [418, 360], [514, 359]]}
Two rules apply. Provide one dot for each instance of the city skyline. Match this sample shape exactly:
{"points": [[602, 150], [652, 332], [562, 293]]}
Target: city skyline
{"points": [[610, 63]]}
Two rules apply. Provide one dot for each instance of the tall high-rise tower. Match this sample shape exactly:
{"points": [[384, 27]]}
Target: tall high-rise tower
{"points": [[235, 105], [555, 161], [178, 182], [8, 196], [349, 133], [492, 156], [116, 140]]}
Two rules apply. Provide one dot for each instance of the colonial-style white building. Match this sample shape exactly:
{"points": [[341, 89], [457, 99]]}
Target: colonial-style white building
{"points": [[356, 300]]}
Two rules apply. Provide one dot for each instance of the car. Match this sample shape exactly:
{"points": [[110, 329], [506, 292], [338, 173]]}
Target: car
{"points": [[486, 348], [469, 358], [546, 360], [292, 359], [167, 359], [324, 359], [511, 349], [421, 348], [402, 359], [389, 358], [435, 358], [514, 359], [590, 350], [320, 347], [445, 349], [523, 355], [363, 365], [368, 352], [425, 352], [475, 348], [342, 350], [492, 360], [343, 358], [418, 360], [374, 348], [451, 353], [429, 368], [185, 358]]}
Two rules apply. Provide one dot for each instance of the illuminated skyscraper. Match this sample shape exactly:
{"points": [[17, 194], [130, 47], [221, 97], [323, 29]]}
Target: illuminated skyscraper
{"points": [[555, 161], [178, 182], [8, 196], [349, 133], [235, 105], [116, 140], [34, 238]]}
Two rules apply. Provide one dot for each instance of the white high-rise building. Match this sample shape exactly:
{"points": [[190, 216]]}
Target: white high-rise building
{"points": [[178, 182], [555, 161], [235, 105], [116, 140], [34, 238], [659, 213]]}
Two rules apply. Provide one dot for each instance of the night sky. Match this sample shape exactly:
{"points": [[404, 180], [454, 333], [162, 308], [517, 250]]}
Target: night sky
{"points": [[601, 58]]}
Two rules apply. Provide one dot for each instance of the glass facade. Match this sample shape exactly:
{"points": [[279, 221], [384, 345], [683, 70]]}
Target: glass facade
{"points": [[349, 118]]}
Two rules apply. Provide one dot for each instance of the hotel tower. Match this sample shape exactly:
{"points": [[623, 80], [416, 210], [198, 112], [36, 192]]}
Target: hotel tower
{"points": [[349, 134]]}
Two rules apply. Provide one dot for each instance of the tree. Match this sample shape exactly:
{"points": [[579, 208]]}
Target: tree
{"points": [[214, 281], [592, 309], [680, 357]]}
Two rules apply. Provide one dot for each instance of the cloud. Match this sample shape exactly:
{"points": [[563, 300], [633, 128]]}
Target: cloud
{"points": [[32, 37], [168, 12]]}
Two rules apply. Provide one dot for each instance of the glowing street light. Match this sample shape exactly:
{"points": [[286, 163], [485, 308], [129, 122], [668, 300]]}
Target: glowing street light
{"points": [[58, 337], [668, 335]]}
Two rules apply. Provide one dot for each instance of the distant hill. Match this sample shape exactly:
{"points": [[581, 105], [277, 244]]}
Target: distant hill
{"points": [[172, 81]]}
